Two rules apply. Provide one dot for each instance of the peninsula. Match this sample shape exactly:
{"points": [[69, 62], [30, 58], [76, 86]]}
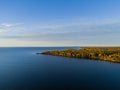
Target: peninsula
{"points": [[111, 54]]}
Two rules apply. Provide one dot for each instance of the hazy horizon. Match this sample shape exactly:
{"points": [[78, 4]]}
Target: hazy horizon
{"points": [[39, 23]]}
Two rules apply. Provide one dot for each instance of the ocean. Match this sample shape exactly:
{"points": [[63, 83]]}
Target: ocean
{"points": [[22, 69]]}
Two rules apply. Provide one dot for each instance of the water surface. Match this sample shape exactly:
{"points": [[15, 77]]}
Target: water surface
{"points": [[22, 69]]}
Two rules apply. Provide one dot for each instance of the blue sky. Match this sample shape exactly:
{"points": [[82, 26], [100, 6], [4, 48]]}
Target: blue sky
{"points": [[59, 22]]}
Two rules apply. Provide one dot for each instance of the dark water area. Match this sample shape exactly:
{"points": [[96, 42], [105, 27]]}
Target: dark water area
{"points": [[22, 69]]}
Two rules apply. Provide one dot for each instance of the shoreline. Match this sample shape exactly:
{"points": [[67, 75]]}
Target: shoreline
{"points": [[110, 54]]}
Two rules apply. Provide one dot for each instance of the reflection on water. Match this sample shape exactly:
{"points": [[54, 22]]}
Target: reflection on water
{"points": [[22, 69]]}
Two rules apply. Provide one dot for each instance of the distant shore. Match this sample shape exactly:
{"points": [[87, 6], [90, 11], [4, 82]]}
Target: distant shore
{"points": [[111, 54]]}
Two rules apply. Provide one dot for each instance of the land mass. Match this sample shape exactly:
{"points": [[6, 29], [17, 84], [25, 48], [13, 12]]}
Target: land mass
{"points": [[111, 54]]}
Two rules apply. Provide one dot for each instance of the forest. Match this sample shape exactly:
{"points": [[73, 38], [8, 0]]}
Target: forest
{"points": [[111, 54]]}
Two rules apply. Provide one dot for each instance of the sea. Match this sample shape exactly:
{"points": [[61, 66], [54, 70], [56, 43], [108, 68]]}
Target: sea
{"points": [[22, 69]]}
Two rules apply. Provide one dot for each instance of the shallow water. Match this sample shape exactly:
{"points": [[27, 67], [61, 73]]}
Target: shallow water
{"points": [[22, 69]]}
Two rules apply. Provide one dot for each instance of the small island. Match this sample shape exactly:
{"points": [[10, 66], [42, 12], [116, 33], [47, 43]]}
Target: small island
{"points": [[111, 54]]}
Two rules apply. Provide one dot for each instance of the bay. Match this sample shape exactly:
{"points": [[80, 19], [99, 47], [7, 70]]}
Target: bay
{"points": [[22, 69]]}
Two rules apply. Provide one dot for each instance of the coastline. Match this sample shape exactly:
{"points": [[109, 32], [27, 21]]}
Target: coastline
{"points": [[110, 54]]}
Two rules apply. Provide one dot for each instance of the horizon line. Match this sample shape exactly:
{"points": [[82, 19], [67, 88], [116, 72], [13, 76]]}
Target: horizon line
{"points": [[66, 46]]}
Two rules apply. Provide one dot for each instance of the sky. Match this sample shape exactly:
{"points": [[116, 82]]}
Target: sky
{"points": [[59, 23]]}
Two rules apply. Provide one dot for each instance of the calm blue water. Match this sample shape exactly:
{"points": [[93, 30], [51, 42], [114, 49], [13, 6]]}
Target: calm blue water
{"points": [[22, 69]]}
